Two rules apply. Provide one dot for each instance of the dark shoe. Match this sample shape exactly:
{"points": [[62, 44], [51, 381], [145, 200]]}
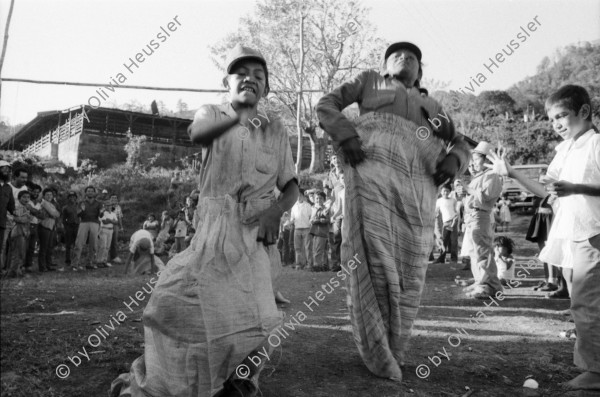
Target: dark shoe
{"points": [[336, 268], [558, 295], [548, 287], [540, 285]]}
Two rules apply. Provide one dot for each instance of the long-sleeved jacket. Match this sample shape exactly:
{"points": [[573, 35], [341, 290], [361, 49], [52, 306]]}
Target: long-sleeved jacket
{"points": [[376, 93]]}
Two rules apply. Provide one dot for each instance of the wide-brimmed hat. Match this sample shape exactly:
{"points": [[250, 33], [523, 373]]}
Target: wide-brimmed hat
{"points": [[483, 148]]}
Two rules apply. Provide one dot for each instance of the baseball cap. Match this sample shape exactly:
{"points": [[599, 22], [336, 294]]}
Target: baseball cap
{"points": [[403, 45], [239, 53], [4, 163], [483, 148]]}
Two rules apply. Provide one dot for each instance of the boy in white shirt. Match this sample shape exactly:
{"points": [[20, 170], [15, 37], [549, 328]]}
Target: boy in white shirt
{"points": [[574, 239], [446, 212]]}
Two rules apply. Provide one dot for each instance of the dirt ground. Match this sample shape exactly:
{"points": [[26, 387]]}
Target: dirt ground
{"points": [[456, 351]]}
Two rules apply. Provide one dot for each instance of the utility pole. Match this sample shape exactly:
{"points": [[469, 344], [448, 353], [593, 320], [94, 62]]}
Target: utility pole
{"points": [[10, 10]]}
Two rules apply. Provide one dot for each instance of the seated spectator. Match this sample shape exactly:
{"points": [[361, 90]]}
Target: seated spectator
{"points": [[141, 253]]}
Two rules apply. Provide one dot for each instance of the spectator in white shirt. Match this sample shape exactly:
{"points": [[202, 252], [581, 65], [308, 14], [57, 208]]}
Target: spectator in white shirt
{"points": [[447, 220], [300, 218]]}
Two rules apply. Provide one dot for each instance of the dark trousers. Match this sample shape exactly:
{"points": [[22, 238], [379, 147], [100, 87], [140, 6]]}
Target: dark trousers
{"points": [[450, 239], [34, 238], [45, 253], [287, 254], [114, 252], [335, 242], [70, 237]]}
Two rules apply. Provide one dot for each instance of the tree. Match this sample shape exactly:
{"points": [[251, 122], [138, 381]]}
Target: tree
{"points": [[87, 168], [133, 147], [311, 47]]}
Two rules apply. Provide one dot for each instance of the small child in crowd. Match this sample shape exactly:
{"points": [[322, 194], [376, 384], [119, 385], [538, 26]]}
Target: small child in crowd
{"points": [[503, 249], [152, 225], [19, 235], [181, 229]]}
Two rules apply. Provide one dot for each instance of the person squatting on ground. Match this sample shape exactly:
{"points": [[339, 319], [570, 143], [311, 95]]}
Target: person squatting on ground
{"points": [[89, 213], [446, 216], [141, 259], [300, 218], [503, 249], [574, 239], [482, 194], [224, 276], [391, 184]]}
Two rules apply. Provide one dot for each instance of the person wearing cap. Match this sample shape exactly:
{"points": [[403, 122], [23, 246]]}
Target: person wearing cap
{"points": [[141, 253], [70, 218], [481, 196], [215, 301], [409, 148]]}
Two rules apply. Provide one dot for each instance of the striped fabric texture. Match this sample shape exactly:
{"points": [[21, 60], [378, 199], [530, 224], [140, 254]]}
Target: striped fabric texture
{"points": [[389, 225]]}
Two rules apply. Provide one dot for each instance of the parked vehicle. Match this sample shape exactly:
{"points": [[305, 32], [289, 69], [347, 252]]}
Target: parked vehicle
{"points": [[522, 199]]}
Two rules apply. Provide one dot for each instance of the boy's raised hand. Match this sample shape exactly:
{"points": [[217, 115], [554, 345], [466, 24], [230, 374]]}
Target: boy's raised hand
{"points": [[498, 162]]}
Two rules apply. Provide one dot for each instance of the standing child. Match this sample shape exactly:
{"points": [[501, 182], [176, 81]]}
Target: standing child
{"points": [[503, 249], [505, 217], [181, 229], [166, 223], [319, 232], [224, 277], [19, 235], [108, 221], [574, 238]]}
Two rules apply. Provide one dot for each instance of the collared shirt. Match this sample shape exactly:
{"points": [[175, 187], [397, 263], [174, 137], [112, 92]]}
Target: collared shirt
{"points": [[376, 93], [244, 163], [300, 215], [484, 189], [578, 215]]}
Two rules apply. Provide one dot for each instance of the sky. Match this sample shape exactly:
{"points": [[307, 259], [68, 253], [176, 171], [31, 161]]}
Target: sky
{"points": [[91, 40]]}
